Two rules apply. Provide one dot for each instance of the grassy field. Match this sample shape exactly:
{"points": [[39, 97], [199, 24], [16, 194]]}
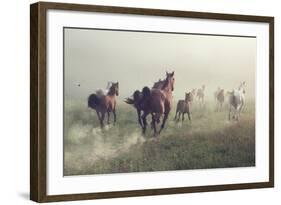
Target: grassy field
{"points": [[209, 141]]}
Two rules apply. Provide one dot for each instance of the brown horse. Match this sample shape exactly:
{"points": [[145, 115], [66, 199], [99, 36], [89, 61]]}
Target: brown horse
{"points": [[156, 101], [159, 103], [105, 103], [183, 107], [140, 97]]}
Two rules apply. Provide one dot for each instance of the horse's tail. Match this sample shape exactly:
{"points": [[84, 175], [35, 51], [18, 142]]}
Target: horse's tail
{"points": [[93, 101], [129, 101], [136, 98]]}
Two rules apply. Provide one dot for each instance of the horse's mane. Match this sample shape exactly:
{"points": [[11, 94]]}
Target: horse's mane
{"points": [[165, 83], [110, 89], [109, 84], [159, 84]]}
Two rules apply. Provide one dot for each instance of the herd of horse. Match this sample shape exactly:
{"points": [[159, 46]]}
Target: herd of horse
{"points": [[157, 102]]}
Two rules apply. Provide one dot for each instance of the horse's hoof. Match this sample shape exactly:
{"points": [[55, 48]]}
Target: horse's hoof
{"points": [[154, 139], [155, 135]]}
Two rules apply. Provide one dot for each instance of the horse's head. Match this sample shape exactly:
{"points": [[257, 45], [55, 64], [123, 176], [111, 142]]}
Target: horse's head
{"points": [[220, 93], [242, 86], [188, 97], [114, 89], [229, 93], [170, 79]]}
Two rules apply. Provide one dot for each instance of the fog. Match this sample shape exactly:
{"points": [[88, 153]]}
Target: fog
{"points": [[137, 59]]}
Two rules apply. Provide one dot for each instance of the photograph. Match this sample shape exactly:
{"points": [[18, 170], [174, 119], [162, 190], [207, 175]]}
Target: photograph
{"points": [[148, 101], [138, 101]]}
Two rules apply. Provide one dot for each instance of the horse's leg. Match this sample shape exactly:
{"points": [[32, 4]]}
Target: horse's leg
{"points": [[98, 114], [241, 109], [152, 118], [182, 119], [144, 122], [166, 114], [108, 116], [153, 124], [102, 119], [238, 113], [176, 115], [179, 116], [139, 117], [189, 116], [114, 115]]}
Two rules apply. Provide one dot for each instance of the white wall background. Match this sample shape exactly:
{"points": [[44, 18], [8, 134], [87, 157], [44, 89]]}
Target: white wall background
{"points": [[14, 101]]}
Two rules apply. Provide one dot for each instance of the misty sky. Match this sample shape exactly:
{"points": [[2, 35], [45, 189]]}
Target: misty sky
{"points": [[137, 59]]}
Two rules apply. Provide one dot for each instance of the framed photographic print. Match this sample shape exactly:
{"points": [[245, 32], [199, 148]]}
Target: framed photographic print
{"points": [[134, 102]]}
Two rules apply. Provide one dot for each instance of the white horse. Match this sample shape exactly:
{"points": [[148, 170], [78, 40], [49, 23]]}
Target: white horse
{"points": [[236, 101]]}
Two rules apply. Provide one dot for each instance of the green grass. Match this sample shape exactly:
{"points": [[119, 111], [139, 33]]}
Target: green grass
{"points": [[209, 141]]}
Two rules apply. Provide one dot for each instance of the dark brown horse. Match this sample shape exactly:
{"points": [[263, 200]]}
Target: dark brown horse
{"points": [[140, 97], [160, 103], [105, 103], [155, 101]]}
